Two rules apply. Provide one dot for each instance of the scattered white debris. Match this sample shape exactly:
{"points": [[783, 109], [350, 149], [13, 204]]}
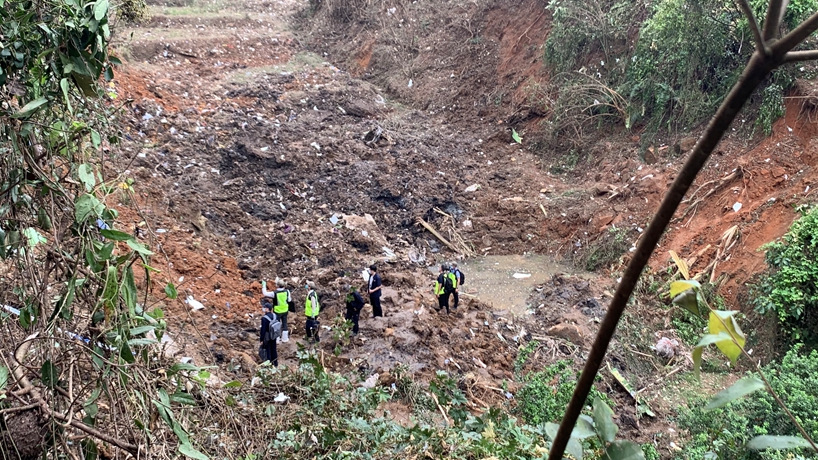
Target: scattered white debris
{"points": [[195, 304], [371, 381], [520, 276], [472, 188], [281, 398]]}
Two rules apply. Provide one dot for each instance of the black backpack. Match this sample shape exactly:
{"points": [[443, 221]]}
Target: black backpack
{"points": [[461, 278], [448, 285]]}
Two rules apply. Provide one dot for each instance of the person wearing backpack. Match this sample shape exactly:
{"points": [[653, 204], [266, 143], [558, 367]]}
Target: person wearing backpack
{"points": [[268, 335], [355, 303], [460, 278], [311, 310], [282, 303], [444, 286]]}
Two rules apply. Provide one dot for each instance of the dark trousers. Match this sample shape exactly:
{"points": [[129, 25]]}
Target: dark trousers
{"points": [[283, 318], [270, 353], [354, 316], [443, 301], [312, 329], [376, 305], [456, 300]]}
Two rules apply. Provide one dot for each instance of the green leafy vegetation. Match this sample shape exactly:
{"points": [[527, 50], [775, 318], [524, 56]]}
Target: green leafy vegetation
{"points": [[545, 394], [605, 250], [789, 289], [671, 75], [722, 433], [331, 416]]}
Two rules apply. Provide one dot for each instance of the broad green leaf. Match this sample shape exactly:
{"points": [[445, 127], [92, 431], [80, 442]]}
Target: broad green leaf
{"points": [[126, 354], [188, 451], [49, 374], [777, 442], [603, 421], [625, 450], [116, 235], [140, 330], [141, 342], [724, 321], [4, 377], [182, 367], [170, 291], [139, 247], [233, 384], [183, 398], [551, 430], [574, 448], [677, 287], [87, 206], [689, 300], [86, 175], [583, 429], [516, 136], [100, 9], [33, 237], [741, 388], [709, 339], [64, 87], [30, 108], [95, 138], [43, 219]]}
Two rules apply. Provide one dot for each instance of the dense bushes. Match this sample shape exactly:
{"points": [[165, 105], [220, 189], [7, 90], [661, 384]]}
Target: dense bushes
{"points": [[545, 394], [789, 289], [675, 71], [723, 432]]}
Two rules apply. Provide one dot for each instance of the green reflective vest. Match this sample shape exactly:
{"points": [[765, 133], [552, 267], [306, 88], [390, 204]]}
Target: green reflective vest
{"points": [[312, 307], [282, 298]]}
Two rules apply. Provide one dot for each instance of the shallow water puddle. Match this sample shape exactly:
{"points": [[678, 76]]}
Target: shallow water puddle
{"points": [[505, 282]]}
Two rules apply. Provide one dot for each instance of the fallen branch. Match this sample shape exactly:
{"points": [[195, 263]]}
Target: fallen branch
{"points": [[18, 371], [719, 184], [436, 234]]}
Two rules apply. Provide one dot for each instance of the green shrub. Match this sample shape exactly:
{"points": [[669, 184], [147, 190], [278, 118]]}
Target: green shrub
{"points": [[725, 431], [605, 251], [545, 394], [789, 288]]}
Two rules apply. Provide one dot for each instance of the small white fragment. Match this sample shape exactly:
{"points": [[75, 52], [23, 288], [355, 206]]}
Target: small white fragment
{"points": [[737, 207]]}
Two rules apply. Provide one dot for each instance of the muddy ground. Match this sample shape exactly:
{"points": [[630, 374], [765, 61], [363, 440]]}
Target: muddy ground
{"points": [[273, 139]]}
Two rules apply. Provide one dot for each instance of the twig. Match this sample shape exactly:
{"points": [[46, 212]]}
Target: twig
{"points": [[442, 412]]}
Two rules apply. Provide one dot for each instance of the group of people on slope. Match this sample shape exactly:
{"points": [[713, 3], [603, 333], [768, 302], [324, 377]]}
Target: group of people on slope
{"points": [[276, 306], [447, 285]]}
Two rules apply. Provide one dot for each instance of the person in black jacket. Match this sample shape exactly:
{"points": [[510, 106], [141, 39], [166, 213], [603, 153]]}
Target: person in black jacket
{"points": [[354, 303], [269, 351], [375, 291]]}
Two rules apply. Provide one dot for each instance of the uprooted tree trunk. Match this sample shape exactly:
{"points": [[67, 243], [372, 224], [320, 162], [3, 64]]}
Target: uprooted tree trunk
{"points": [[769, 54]]}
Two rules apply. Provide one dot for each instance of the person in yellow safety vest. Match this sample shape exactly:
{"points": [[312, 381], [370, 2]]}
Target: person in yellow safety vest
{"points": [[282, 300], [445, 284], [311, 310]]}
